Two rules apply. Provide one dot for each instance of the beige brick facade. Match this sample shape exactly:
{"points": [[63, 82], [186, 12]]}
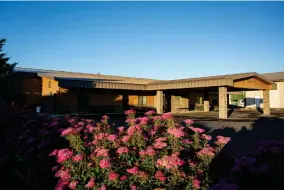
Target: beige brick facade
{"points": [[223, 110], [206, 106], [206, 102], [174, 104], [266, 102], [159, 102]]}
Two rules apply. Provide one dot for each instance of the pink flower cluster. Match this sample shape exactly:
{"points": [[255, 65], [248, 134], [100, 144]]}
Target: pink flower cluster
{"points": [[197, 130], [112, 137], [105, 163], [196, 183], [206, 137], [167, 116], [105, 117], [121, 129], [222, 140], [207, 151], [150, 113], [63, 155], [176, 132], [69, 131], [132, 129], [149, 151], [129, 112], [63, 174], [73, 184], [113, 176], [131, 121], [144, 121], [133, 170], [157, 118], [90, 128], [168, 162], [160, 143], [101, 152], [101, 136], [187, 141], [90, 184], [77, 158], [122, 150], [160, 176], [189, 121]]}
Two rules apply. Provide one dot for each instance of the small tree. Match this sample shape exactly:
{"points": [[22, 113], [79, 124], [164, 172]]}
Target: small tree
{"points": [[7, 75]]}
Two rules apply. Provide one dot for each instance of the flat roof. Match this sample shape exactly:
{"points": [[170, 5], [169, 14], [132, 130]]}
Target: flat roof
{"points": [[275, 76], [84, 76], [87, 80]]}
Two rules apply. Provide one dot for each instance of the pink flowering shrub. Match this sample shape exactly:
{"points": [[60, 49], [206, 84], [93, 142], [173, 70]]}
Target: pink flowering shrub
{"points": [[151, 152]]}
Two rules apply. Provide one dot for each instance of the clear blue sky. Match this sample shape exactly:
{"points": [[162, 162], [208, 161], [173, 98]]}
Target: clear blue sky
{"points": [[163, 40]]}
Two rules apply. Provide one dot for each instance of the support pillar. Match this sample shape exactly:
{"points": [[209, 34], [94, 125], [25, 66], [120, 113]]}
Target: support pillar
{"points": [[206, 102], [159, 102], [266, 102], [223, 109], [174, 104]]}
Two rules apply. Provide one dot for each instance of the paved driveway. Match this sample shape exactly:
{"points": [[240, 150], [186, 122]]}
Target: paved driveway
{"points": [[246, 127]]}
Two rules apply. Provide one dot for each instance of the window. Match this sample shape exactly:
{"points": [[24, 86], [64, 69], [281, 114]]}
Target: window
{"points": [[142, 100], [49, 84]]}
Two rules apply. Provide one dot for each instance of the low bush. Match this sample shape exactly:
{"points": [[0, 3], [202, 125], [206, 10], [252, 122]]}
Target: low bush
{"points": [[141, 109], [151, 152], [26, 142], [259, 169]]}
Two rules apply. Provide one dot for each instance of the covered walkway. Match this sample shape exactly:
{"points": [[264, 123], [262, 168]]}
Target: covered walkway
{"points": [[177, 94]]}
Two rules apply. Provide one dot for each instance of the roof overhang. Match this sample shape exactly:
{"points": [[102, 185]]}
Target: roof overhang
{"points": [[249, 83], [190, 84], [243, 81]]}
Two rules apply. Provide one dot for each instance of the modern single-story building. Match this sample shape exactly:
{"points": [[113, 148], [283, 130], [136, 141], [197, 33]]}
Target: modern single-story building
{"points": [[254, 99], [60, 91]]}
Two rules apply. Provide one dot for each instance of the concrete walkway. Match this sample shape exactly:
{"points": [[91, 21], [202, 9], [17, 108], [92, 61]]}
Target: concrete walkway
{"points": [[234, 115]]}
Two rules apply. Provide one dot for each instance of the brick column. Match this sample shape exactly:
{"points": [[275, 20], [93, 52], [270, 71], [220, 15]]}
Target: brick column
{"points": [[159, 102], [206, 102], [223, 109], [266, 103], [184, 103], [174, 104]]}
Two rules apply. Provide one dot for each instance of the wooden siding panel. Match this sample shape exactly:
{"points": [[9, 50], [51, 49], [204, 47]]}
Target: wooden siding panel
{"points": [[45, 86], [133, 100], [107, 99], [253, 83], [150, 100]]}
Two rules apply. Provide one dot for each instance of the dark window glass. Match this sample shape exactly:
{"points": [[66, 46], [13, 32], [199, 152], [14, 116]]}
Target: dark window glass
{"points": [[142, 100]]}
